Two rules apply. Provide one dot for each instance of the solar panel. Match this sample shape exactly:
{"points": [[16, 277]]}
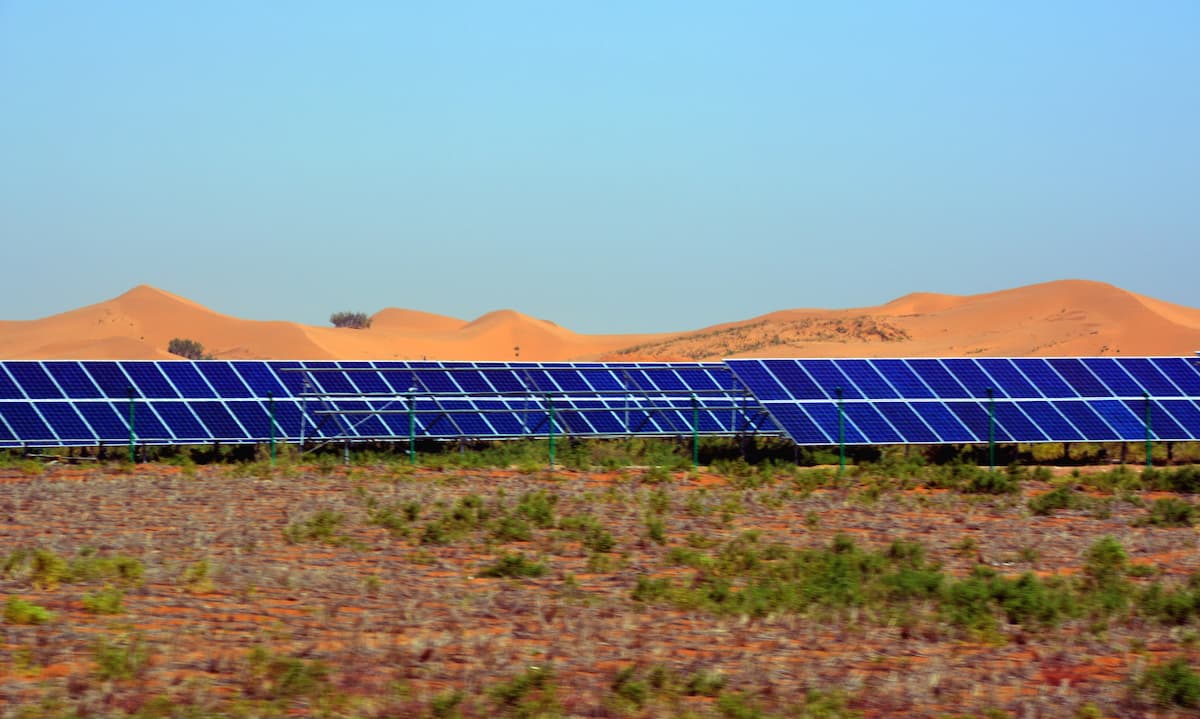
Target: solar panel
{"points": [[34, 380], [921, 400]]}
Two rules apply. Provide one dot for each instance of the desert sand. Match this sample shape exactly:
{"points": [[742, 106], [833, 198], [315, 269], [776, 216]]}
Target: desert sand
{"points": [[1065, 318]]}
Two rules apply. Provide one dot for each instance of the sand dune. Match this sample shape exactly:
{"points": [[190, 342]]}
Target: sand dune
{"points": [[1067, 317]]}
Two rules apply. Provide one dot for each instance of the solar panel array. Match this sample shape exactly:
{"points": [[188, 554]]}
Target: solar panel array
{"points": [[972, 400], [84, 403]]}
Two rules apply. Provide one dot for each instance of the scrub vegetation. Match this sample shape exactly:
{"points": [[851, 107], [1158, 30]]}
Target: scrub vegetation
{"points": [[621, 583]]}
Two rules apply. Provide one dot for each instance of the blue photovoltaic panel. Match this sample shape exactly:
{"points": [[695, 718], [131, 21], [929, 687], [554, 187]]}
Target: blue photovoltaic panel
{"points": [[1186, 414], [799, 426], [758, 380], [1019, 426], [1051, 421], [826, 380], [1120, 418], [471, 380], [900, 375], [570, 380], [868, 380], [602, 380], [149, 380], [365, 381], [66, 422], [974, 417], [361, 425], [1162, 424], [187, 380], [291, 380], [75, 383], [1079, 377], [939, 379], [791, 375], [1006, 376], [1116, 379], [8, 388], [34, 380], [295, 425], [972, 378], [109, 425], [439, 381], [1148, 376], [26, 423], [1183, 373], [943, 422], [260, 378], [872, 424], [179, 419], [224, 380], [501, 418], [697, 379], [220, 423], [904, 419], [1048, 382], [668, 380], [111, 379], [147, 425], [826, 417], [1081, 415]]}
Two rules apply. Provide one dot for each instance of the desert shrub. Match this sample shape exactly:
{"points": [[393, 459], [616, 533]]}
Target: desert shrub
{"points": [[352, 320], [704, 683], [123, 658], [1170, 512], [1174, 683], [319, 527], [20, 611], [511, 528], [589, 531], [89, 565], [531, 693], [104, 601], [1061, 497], [514, 565], [985, 482], [197, 577], [1185, 480], [629, 687], [190, 349], [271, 676], [1170, 605], [1105, 568], [538, 507]]}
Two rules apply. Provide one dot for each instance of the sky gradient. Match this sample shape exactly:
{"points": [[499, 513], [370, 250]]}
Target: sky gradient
{"points": [[611, 166]]}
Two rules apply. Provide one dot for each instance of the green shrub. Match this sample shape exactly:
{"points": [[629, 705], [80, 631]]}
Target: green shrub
{"points": [[104, 601], [529, 694], [20, 611], [191, 349], [352, 320], [1172, 684], [124, 658], [514, 565], [320, 526], [1170, 512], [538, 507], [1061, 497]]}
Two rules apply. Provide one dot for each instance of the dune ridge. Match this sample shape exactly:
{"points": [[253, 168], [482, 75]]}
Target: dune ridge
{"points": [[1064, 317]]}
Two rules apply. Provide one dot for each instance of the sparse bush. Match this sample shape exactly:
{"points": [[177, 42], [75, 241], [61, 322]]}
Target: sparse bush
{"points": [[514, 565], [20, 611], [105, 601], [1172, 684], [351, 320], [1062, 497], [190, 349], [1170, 512], [320, 527]]}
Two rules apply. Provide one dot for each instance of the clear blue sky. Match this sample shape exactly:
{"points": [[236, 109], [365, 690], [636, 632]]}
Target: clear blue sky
{"points": [[613, 166]]}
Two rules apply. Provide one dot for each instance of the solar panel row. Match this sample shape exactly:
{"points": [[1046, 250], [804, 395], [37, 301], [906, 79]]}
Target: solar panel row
{"points": [[965, 400], [95, 402]]}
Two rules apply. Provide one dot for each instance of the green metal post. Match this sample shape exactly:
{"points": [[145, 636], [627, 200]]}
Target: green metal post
{"points": [[991, 431], [271, 412], [412, 431], [841, 434], [1149, 434], [132, 433], [695, 432], [550, 406]]}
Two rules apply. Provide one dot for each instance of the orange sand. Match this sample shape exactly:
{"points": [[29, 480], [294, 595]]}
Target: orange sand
{"points": [[1067, 317]]}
